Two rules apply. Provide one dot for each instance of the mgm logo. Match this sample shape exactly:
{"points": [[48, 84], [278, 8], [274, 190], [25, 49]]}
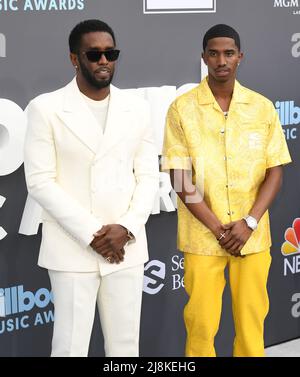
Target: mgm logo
{"points": [[286, 3], [179, 6], [293, 5]]}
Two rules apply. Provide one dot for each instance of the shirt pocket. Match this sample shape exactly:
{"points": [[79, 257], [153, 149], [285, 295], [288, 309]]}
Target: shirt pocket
{"points": [[255, 139]]}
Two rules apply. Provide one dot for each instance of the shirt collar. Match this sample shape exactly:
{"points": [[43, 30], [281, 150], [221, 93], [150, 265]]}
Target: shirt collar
{"points": [[205, 96]]}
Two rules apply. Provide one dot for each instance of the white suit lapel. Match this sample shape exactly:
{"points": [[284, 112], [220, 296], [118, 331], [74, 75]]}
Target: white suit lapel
{"points": [[79, 119], [116, 123]]}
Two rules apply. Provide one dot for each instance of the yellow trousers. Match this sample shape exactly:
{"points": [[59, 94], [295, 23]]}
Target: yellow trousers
{"points": [[204, 283]]}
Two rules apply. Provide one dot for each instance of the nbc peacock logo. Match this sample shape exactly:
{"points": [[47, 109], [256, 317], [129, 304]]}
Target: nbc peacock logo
{"points": [[290, 249], [291, 245]]}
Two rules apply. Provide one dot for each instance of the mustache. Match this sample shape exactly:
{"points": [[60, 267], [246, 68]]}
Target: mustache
{"points": [[100, 69]]}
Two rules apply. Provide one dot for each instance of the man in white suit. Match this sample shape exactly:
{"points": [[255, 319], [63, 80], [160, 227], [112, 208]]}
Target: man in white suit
{"points": [[91, 163]]}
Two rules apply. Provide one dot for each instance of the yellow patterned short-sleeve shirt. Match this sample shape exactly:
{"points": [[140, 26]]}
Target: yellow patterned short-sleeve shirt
{"points": [[228, 157]]}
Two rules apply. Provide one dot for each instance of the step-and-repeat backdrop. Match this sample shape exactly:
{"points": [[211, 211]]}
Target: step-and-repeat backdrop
{"points": [[161, 44]]}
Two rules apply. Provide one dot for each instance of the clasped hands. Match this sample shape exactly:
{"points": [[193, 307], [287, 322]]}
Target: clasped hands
{"points": [[109, 242], [233, 236]]}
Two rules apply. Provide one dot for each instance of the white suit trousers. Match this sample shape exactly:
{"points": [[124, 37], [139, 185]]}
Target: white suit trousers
{"points": [[118, 297]]}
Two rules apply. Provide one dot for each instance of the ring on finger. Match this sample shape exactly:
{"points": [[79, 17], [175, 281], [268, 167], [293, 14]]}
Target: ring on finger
{"points": [[222, 235]]}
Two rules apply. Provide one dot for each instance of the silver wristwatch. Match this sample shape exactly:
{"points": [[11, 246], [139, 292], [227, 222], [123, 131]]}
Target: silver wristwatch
{"points": [[130, 236], [251, 222]]}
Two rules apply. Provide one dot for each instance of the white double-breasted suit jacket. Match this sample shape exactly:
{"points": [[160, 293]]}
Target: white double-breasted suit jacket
{"points": [[84, 179]]}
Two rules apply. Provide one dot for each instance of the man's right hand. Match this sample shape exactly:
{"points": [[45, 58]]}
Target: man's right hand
{"points": [[110, 255], [224, 237], [218, 231]]}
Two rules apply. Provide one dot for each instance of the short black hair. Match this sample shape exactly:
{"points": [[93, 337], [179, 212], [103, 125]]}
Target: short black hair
{"points": [[84, 27], [221, 30]]}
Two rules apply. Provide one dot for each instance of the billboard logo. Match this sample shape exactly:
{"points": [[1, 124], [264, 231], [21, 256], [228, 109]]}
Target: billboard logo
{"points": [[2, 305], [289, 115], [290, 249], [16, 306], [179, 6], [296, 46], [15, 300], [41, 5]]}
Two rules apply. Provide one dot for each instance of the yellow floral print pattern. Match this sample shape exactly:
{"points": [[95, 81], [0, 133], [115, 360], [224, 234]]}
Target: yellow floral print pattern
{"points": [[228, 157]]}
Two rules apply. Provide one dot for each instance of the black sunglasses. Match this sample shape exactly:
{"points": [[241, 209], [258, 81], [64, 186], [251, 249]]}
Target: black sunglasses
{"points": [[95, 55]]}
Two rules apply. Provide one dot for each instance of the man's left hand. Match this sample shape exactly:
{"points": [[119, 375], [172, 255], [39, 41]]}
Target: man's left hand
{"points": [[110, 237], [236, 236]]}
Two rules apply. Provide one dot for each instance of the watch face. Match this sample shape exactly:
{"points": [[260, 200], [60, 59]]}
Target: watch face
{"points": [[251, 223]]}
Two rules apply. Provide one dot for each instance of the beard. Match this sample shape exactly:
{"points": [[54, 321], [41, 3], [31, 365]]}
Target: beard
{"points": [[97, 84]]}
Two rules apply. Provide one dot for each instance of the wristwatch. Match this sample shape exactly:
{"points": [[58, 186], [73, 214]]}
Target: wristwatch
{"points": [[251, 222], [130, 236]]}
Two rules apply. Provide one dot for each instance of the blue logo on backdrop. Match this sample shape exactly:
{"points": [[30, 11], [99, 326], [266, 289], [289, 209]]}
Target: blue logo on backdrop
{"points": [[289, 116], [14, 301]]}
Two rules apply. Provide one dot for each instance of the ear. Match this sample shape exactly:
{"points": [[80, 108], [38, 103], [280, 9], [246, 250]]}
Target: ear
{"points": [[203, 57], [74, 59], [241, 56]]}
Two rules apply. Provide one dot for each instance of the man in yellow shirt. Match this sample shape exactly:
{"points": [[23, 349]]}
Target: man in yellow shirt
{"points": [[224, 147]]}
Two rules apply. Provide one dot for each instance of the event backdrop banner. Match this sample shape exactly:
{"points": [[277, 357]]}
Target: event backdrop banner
{"points": [[160, 42]]}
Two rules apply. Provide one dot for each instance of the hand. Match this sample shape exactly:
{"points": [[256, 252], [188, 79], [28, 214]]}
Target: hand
{"points": [[115, 256], [109, 242], [218, 230], [235, 237]]}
